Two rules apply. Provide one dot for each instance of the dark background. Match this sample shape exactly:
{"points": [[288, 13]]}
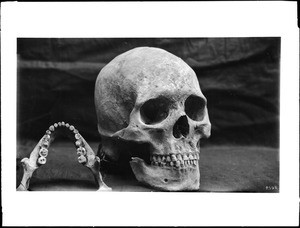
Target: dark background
{"points": [[238, 76]]}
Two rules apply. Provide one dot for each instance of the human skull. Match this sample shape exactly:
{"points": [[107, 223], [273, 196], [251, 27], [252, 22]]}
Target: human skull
{"points": [[151, 111]]}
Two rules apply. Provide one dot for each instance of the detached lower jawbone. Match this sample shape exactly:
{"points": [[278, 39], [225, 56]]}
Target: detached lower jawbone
{"points": [[180, 175]]}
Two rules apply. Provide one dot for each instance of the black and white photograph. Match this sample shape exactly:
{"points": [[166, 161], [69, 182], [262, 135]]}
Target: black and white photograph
{"points": [[145, 108], [113, 110]]}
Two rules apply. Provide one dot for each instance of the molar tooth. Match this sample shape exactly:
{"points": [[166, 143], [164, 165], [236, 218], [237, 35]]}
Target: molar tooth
{"points": [[163, 158], [42, 160], [55, 125], [81, 159], [78, 143], [155, 163], [46, 137], [177, 163], [191, 157], [43, 152], [45, 143], [171, 164], [182, 162], [195, 162], [185, 157], [81, 150], [51, 128]]}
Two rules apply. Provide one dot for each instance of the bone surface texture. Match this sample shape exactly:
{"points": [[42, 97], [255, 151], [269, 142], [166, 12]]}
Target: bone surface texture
{"points": [[38, 156], [150, 109]]}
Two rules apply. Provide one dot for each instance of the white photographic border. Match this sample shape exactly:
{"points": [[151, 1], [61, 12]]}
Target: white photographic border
{"points": [[152, 19]]}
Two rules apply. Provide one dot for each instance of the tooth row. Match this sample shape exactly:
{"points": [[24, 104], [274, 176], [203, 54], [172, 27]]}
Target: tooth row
{"points": [[43, 152], [175, 157], [178, 163], [176, 160], [62, 124]]}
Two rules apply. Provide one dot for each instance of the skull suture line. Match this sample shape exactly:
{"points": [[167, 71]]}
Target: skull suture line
{"points": [[150, 108]]}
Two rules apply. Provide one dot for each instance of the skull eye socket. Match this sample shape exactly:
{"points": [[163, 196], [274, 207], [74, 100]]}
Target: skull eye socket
{"points": [[194, 107], [154, 110]]}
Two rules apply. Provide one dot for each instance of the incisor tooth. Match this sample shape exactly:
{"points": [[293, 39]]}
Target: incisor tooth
{"points": [[173, 157], [179, 156], [158, 158]]}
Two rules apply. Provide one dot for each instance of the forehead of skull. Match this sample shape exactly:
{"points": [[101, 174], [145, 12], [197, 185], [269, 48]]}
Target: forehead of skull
{"points": [[153, 70]]}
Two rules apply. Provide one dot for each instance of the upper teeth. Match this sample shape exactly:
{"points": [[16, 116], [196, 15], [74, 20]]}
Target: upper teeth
{"points": [[175, 160]]}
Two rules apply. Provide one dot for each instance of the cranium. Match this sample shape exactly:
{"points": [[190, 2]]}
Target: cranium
{"points": [[152, 113]]}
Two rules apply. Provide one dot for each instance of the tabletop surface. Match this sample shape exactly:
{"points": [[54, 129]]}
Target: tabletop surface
{"points": [[223, 169]]}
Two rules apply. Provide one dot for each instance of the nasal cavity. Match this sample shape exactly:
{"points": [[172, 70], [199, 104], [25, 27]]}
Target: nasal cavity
{"points": [[181, 127]]}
